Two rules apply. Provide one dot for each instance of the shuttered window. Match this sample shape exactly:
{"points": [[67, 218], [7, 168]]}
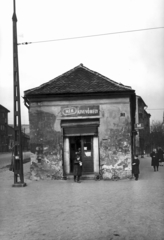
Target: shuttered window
{"points": [[80, 127]]}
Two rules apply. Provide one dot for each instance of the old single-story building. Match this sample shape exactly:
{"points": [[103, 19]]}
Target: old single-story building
{"points": [[81, 109]]}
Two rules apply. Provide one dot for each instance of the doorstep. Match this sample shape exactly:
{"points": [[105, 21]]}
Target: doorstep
{"points": [[83, 177]]}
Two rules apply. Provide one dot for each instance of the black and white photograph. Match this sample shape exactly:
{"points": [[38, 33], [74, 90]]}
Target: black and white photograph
{"points": [[81, 120]]}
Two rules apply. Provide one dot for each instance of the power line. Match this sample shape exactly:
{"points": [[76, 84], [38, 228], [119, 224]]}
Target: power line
{"points": [[89, 36], [155, 109]]}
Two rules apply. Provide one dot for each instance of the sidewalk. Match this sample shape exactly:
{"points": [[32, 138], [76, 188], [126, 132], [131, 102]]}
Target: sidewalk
{"points": [[5, 158], [92, 210]]}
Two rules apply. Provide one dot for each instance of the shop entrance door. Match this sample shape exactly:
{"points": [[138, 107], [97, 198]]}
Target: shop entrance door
{"points": [[87, 154], [85, 144]]}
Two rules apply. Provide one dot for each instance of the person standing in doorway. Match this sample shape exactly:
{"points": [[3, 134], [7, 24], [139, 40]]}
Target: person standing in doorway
{"points": [[155, 160], [135, 167], [77, 171]]}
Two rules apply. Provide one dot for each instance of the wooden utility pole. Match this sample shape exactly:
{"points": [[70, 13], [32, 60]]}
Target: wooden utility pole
{"points": [[17, 153]]}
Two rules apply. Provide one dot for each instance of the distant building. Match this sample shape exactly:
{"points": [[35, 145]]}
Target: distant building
{"points": [[7, 133], [142, 123], [3, 129], [26, 129], [25, 139]]}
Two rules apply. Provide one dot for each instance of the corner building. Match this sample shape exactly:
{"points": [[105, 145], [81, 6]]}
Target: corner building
{"points": [[81, 109]]}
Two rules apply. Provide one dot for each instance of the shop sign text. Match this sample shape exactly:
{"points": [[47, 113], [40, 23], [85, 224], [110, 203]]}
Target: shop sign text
{"points": [[75, 111]]}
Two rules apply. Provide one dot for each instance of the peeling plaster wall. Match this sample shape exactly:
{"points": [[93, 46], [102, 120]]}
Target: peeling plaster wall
{"points": [[115, 141], [46, 142], [46, 138]]}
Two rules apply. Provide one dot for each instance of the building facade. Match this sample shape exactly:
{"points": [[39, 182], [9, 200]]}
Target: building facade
{"points": [[7, 133], [142, 127], [81, 109], [3, 129]]}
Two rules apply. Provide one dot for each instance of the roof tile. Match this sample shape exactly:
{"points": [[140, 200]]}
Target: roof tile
{"points": [[78, 80]]}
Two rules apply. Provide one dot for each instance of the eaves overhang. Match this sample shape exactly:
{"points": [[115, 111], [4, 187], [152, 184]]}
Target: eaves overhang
{"points": [[49, 97]]}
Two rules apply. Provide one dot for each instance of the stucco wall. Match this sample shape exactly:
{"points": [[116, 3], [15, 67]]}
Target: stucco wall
{"points": [[46, 142], [46, 138], [115, 141]]}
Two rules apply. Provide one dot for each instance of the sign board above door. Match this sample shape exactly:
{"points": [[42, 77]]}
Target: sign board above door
{"points": [[79, 111]]}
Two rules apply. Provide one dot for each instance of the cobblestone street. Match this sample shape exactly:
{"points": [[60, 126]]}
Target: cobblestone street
{"points": [[64, 210]]}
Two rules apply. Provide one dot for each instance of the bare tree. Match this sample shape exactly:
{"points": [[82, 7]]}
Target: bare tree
{"points": [[157, 134]]}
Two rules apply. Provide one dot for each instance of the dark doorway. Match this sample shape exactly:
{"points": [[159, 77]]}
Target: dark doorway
{"points": [[75, 144], [85, 145]]}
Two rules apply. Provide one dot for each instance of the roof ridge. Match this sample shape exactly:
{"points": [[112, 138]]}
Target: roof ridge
{"points": [[54, 79], [106, 78]]}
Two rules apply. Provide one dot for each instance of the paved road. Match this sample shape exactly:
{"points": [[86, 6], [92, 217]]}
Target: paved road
{"points": [[91, 210], [5, 158]]}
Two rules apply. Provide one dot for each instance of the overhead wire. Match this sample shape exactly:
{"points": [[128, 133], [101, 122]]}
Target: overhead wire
{"points": [[155, 109], [90, 36]]}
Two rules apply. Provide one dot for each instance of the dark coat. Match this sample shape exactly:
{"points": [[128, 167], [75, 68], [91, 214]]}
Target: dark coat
{"points": [[155, 159], [11, 167], [135, 167], [77, 169]]}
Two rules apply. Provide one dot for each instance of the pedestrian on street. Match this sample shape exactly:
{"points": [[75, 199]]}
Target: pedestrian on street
{"points": [[11, 168], [77, 167], [135, 167], [155, 159], [160, 155]]}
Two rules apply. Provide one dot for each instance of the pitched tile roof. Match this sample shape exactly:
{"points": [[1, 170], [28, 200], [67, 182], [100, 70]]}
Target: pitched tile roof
{"points": [[78, 80], [5, 109]]}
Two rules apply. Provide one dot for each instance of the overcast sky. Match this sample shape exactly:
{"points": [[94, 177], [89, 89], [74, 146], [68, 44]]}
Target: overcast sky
{"points": [[135, 59]]}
